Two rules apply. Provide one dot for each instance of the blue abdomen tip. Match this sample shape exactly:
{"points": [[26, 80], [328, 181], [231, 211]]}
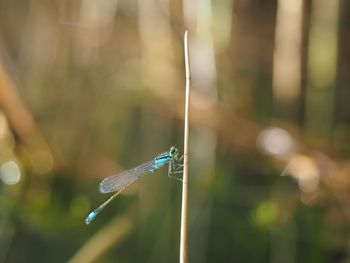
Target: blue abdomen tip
{"points": [[90, 217]]}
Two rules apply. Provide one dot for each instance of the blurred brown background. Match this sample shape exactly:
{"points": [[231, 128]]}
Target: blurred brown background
{"points": [[89, 88]]}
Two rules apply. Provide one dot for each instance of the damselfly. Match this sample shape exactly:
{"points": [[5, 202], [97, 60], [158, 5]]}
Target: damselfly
{"points": [[117, 183]]}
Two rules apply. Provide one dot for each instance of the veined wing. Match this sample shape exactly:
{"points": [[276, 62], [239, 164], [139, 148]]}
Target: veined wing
{"points": [[119, 181]]}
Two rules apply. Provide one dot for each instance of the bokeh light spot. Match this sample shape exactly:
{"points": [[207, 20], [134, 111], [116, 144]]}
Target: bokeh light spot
{"points": [[265, 214], [275, 141], [10, 173]]}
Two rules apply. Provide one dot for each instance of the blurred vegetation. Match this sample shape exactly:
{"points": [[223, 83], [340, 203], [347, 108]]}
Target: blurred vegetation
{"points": [[90, 88]]}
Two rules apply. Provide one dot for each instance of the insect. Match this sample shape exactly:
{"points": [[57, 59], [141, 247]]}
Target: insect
{"points": [[117, 183]]}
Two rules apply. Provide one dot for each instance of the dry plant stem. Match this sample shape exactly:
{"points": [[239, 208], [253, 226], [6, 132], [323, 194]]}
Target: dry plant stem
{"points": [[110, 235], [184, 209], [21, 119]]}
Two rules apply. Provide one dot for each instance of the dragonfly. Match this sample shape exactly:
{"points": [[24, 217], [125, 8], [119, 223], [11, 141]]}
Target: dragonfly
{"points": [[118, 182]]}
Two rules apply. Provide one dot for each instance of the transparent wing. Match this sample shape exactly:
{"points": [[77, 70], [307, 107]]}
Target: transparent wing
{"points": [[119, 181]]}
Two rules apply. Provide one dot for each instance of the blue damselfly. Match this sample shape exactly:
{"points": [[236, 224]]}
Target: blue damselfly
{"points": [[117, 183]]}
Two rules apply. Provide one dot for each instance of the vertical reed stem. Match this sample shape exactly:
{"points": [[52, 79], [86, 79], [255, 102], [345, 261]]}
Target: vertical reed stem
{"points": [[184, 209]]}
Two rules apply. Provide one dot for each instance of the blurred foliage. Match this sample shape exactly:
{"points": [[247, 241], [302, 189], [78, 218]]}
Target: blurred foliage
{"points": [[90, 88]]}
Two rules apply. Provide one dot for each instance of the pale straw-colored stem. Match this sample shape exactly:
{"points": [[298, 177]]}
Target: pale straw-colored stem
{"points": [[111, 235], [184, 209]]}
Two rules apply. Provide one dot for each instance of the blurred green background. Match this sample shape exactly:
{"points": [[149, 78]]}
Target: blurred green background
{"points": [[89, 88]]}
